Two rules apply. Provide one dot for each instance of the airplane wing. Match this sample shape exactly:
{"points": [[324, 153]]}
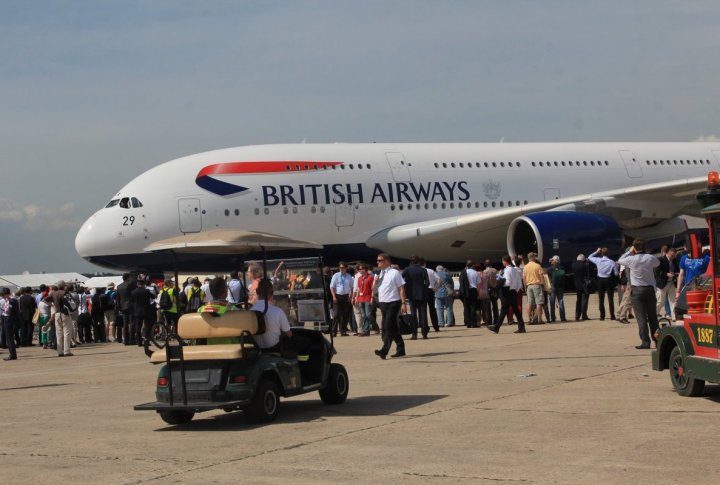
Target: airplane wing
{"points": [[485, 233], [224, 241]]}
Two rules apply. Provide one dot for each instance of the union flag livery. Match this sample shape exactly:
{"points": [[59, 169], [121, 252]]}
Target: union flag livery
{"points": [[205, 179]]}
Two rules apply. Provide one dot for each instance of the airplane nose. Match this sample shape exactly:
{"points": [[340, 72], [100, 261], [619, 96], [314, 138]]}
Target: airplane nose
{"points": [[85, 240]]}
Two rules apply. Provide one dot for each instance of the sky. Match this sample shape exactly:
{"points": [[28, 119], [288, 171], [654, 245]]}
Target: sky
{"points": [[94, 93]]}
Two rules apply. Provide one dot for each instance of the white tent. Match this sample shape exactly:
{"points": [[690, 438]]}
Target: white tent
{"points": [[102, 281], [35, 280]]}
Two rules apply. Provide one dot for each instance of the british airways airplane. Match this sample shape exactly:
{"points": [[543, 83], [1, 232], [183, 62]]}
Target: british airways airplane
{"points": [[446, 201]]}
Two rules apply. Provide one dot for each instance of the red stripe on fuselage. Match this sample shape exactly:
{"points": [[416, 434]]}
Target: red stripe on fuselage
{"points": [[264, 167]]}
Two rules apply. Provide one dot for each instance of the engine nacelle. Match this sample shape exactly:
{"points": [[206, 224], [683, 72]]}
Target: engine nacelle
{"points": [[563, 233]]}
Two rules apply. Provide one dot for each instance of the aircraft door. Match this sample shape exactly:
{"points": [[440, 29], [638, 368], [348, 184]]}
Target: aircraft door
{"points": [[189, 213], [345, 214], [631, 164], [716, 153], [398, 166]]}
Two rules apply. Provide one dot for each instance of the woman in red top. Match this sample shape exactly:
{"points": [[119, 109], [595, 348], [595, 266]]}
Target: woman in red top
{"points": [[363, 298]]}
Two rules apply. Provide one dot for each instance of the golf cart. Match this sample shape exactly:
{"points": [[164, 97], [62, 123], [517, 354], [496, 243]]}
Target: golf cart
{"points": [[199, 371]]}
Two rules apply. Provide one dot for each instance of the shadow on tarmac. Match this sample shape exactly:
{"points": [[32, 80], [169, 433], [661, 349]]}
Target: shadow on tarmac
{"points": [[39, 386], [311, 410], [432, 354]]}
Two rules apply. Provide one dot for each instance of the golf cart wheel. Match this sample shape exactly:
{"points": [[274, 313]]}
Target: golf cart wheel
{"points": [[336, 389], [681, 381], [265, 403], [158, 335], [177, 417]]}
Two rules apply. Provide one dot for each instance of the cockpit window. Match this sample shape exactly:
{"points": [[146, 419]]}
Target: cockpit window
{"points": [[125, 203]]}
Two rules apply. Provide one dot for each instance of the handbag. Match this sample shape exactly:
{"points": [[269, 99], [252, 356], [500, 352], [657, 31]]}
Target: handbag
{"points": [[546, 283], [36, 316], [407, 324]]}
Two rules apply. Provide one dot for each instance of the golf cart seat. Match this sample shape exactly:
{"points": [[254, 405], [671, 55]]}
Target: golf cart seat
{"points": [[203, 326], [231, 324]]}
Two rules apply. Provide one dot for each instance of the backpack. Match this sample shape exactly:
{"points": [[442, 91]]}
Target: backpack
{"points": [[69, 304], [181, 298], [166, 302], [194, 302], [109, 303]]}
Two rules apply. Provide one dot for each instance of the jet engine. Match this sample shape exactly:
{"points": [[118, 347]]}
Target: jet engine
{"points": [[563, 233]]}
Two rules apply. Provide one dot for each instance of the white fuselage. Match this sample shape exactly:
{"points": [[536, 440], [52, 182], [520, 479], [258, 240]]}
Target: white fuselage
{"points": [[343, 194]]}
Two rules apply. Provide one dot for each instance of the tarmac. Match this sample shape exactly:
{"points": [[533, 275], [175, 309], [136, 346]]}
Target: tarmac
{"points": [[565, 403]]}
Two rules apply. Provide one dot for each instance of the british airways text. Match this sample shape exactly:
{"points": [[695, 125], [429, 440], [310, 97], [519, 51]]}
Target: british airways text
{"points": [[325, 194]]}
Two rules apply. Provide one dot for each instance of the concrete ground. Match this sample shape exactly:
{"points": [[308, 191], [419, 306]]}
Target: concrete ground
{"points": [[564, 403]]}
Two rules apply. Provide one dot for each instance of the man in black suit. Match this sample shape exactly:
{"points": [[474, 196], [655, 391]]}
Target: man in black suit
{"points": [[27, 306], [665, 281], [469, 294], [416, 282], [141, 300], [9, 315], [581, 274], [124, 291]]}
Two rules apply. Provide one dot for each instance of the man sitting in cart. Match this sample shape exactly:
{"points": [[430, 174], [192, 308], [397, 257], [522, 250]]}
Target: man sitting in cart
{"points": [[219, 305], [276, 322]]}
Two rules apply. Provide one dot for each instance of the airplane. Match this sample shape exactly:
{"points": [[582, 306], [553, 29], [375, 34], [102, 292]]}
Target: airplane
{"points": [[448, 202]]}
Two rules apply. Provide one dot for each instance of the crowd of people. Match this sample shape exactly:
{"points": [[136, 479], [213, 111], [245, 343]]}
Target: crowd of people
{"points": [[63, 316]]}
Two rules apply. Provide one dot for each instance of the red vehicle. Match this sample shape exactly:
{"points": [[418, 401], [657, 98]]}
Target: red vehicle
{"points": [[689, 348]]}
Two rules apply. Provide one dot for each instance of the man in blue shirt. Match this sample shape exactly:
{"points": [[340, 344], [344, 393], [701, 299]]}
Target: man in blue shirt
{"points": [[690, 269], [341, 288], [607, 272]]}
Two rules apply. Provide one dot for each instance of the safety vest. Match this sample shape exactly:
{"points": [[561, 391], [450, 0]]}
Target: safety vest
{"points": [[171, 293], [218, 308], [214, 307]]}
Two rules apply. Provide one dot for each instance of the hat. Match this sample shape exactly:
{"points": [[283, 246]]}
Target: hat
{"points": [[555, 258], [111, 285], [581, 257], [439, 268]]}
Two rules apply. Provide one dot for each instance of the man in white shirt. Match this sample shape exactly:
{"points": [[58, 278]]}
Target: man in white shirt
{"points": [[642, 278], [206, 291], [276, 322], [390, 287], [236, 290], [508, 294], [432, 288]]}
